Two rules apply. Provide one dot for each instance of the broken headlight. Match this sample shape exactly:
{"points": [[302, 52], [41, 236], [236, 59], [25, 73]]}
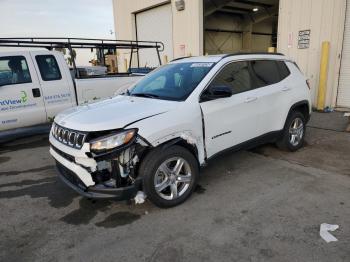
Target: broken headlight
{"points": [[109, 142]]}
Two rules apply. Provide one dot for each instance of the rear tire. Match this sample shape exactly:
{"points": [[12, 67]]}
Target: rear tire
{"points": [[293, 134], [169, 175]]}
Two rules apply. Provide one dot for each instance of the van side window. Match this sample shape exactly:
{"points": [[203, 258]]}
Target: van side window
{"points": [[48, 67], [14, 70], [235, 75]]}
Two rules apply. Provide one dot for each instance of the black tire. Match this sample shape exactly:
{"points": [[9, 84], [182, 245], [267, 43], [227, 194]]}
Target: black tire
{"points": [[284, 143], [154, 160]]}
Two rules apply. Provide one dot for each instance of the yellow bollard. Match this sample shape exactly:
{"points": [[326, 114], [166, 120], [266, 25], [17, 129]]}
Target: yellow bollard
{"points": [[165, 59], [322, 88]]}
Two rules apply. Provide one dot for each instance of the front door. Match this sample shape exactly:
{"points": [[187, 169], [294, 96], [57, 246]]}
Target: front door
{"points": [[55, 83], [21, 101], [231, 121]]}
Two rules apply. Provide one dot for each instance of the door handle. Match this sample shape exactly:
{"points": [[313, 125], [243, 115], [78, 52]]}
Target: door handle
{"points": [[285, 88], [36, 92], [250, 99]]}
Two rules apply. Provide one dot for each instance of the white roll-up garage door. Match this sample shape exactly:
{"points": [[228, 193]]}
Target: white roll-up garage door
{"points": [[155, 24], [343, 99]]}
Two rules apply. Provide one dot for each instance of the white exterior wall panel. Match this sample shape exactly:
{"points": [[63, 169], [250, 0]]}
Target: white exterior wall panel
{"points": [[325, 19], [186, 27], [155, 24], [344, 79]]}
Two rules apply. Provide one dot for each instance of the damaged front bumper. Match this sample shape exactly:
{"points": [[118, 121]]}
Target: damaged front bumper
{"points": [[96, 177], [96, 191]]}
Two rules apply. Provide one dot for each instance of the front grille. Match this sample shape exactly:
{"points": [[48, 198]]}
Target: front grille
{"points": [[68, 137]]}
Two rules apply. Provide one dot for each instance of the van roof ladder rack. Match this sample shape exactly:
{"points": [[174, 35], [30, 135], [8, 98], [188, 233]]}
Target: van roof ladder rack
{"points": [[51, 43]]}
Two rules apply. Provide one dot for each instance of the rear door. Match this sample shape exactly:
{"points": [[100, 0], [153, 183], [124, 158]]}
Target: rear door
{"points": [[231, 121], [21, 101], [55, 82], [271, 78]]}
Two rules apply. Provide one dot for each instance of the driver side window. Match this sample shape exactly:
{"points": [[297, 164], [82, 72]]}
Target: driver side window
{"points": [[14, 70], [236, 76]]}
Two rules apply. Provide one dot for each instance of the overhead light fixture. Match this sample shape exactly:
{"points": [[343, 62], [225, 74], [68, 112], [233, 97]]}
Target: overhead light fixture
{"points": [[255, 9]]}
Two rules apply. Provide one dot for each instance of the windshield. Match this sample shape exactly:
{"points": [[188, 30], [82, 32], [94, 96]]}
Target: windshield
{"points": [[172, 81]]}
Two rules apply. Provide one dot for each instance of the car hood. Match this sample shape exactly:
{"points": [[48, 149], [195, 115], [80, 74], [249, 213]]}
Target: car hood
{"points": [[113, 113]]}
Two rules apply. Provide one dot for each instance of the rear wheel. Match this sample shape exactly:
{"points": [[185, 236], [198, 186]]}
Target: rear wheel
{"points": [[293, 133], [169, 175]]}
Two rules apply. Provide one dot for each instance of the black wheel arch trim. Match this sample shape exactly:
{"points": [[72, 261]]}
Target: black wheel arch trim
{"points": [[301, 103], [181, 142]]}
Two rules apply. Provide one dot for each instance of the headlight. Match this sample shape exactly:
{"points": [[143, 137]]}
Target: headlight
{"points": [[112, 141]]}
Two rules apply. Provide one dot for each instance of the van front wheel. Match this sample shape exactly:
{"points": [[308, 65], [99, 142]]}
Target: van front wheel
{"points": [[169, 175]]}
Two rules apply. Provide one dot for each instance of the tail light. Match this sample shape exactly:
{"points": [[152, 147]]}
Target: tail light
{"points": [[308, 84]]}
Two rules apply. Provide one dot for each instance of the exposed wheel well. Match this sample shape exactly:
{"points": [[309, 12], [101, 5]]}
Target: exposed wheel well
{"points": [[189, 147], [176, 141], [183, 143], [302, 107]]}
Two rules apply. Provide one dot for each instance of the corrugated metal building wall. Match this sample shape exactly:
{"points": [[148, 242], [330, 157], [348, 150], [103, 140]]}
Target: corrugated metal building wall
{"points": [[343, 99], [325, 19], [187, 25]]}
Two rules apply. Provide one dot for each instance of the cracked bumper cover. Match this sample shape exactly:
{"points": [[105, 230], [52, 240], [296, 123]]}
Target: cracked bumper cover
{"points": [[73, 175]]}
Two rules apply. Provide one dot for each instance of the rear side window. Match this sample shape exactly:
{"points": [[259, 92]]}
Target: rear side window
{"points": [[284, 71], [235, 75], [268, 72], [48, 67], [265, 73], [14, 70]]}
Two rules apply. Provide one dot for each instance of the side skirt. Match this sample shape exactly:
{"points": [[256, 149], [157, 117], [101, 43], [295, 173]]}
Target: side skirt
{"points": [[261, 140]]}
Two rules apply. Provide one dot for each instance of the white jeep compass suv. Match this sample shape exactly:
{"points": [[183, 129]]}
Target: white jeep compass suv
{"points": [[157, 135]]}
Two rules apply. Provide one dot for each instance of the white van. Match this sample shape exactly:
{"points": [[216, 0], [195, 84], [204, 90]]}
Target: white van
{"points": [[36, 85]]}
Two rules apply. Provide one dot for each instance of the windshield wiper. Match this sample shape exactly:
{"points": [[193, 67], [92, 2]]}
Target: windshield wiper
{"points": [[127, 92], [145, 95]]}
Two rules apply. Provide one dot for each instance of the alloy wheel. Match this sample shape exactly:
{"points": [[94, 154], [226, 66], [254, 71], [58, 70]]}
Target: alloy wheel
{"points": [[296, 131], [172, 178]]}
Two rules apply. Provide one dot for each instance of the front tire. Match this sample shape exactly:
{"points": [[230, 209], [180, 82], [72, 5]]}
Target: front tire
{"points": [[169, 175], [293, 133]]}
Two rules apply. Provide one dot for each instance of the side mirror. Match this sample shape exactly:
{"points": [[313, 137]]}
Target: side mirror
{"points": [[216, 92]]}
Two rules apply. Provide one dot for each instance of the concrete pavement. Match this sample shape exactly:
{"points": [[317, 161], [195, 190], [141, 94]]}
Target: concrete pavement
{"points": [[258, 205]]}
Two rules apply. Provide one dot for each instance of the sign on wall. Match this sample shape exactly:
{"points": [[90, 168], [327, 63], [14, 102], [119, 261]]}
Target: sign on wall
{"points": [[304, 39], [182, 50]]}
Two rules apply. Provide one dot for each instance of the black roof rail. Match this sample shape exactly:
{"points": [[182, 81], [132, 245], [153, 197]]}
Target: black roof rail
{"points": [[234, 54], [251, 53], [180, 58]]}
